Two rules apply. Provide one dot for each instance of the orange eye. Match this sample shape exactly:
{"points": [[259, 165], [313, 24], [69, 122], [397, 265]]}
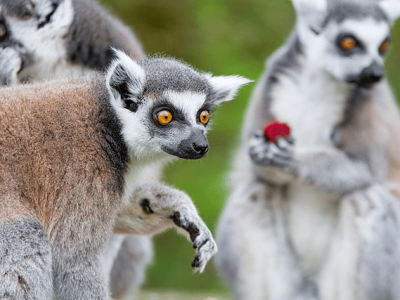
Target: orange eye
{"points": [[348, 43], [384, 47], [204, 117], [164, 117]]}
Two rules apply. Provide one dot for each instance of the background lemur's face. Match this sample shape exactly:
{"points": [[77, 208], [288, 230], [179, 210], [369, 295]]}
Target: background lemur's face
{"points": [[165, 105], [354, 50], [350, 41]]}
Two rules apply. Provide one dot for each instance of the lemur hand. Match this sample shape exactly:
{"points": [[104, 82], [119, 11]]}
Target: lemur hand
{"points": [[265, 153], [10, 65], [199, 234], [154, 208]]}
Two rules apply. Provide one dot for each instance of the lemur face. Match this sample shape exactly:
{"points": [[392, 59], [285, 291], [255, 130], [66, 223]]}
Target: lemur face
{"points": [[354, 50], [165, 105], [179, 121], [348, 39]]}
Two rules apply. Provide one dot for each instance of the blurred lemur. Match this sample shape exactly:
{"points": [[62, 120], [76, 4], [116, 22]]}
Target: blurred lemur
{"points": [[71, 151], [44, 39], [317, 216]]}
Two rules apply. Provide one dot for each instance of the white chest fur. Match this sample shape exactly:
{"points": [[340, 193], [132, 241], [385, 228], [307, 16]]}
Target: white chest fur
{"points": [[312, 104]]}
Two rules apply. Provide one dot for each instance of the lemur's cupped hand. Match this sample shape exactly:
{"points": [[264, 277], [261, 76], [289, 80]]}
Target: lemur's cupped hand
{"points": [[276, 153], [154, 207]]}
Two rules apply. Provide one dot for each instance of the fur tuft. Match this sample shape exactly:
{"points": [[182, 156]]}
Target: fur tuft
{"points": [[226, 87], [391, 8]]}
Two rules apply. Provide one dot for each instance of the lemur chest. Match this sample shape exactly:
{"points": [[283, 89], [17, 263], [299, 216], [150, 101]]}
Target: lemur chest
{"points": [[311, 105]]}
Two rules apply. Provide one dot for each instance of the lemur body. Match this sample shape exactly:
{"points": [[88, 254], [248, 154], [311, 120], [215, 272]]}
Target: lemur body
{"points": [[46, 39], [64, 38], [70, 151], [318, 219]]}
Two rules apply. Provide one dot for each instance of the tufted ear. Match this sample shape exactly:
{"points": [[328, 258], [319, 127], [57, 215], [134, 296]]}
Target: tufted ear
{"points": [[391, 8], [125, 80], [225, 87], [311, 12]]}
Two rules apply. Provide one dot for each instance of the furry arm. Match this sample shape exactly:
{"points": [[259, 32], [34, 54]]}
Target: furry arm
{"points": [[154, 207]]}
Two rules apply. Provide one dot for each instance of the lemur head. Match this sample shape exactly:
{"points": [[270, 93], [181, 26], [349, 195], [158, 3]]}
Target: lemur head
{"points": [[165, 105], [347, 38]]}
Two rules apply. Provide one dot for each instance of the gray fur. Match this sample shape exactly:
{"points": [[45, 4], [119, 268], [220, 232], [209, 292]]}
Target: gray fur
{"points": [[170, 74], [10, 64], [340, 11], [25, 261], [128, 269], [92, 34]]}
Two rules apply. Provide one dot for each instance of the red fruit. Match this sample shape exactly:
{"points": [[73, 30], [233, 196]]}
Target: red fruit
{"points": [[275, 129]]}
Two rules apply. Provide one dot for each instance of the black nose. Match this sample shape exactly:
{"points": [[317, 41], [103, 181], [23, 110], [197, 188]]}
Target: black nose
{"points": [[200, 148], [372, 74]]}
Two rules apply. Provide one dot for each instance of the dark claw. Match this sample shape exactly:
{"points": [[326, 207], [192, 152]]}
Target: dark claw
{"points": [[191, 228], [196, 261], [145, 204]]}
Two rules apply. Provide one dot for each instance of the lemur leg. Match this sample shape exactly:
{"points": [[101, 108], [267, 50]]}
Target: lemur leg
{"points": [[10, 65], [364, 260], [325, 167], [255, 254], [25, 260], [154, 208], [127, 273], [78, 276]]}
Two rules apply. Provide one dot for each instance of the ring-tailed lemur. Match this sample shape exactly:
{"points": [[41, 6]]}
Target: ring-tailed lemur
{"points": [[315, 216], [42, 39], [70, 153]]}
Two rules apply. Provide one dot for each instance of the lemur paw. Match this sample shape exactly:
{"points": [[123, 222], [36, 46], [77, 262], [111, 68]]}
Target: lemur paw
{"points": [[10, 65], [201, 237], [265, 153]]}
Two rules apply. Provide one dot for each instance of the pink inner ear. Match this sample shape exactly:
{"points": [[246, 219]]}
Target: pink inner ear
{"points": [[276, 129]]}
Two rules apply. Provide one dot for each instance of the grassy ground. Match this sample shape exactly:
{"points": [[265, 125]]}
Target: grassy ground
{"points": [[179, 295]]}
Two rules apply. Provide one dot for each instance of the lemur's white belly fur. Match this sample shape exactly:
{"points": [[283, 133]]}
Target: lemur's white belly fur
{"points": [[312, 107]]}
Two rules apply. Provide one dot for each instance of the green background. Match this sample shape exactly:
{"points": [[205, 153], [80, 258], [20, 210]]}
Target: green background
{"points": [[222, 37]]}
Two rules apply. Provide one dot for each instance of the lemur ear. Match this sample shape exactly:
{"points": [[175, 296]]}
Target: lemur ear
{"points": [[125, 80], [312, 12], [225, 87], [391, 8]]}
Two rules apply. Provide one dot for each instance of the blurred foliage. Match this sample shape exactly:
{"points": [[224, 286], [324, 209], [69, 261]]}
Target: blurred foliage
{"points": [[222, 37]]}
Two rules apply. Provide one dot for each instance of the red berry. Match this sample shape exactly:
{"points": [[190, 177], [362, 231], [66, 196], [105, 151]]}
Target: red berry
{"points": [[275, 129]]}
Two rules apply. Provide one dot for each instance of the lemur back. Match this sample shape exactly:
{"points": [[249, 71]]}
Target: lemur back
{"points": [[304, 220], [48, 39]]}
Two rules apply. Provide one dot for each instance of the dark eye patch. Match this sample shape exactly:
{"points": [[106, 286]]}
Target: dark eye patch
{"points": [[359, 47], [207, 107], [162, 104]]}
